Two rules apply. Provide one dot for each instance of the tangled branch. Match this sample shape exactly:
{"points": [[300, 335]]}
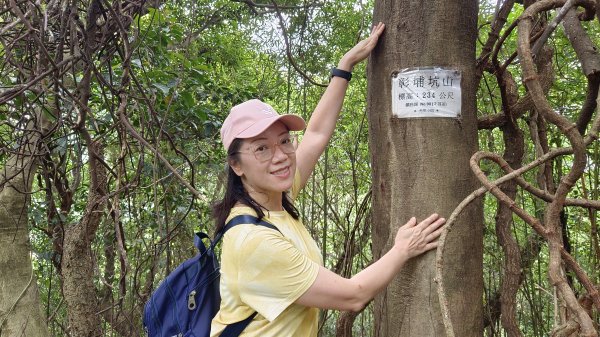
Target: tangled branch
{"points": [[550, 227]]}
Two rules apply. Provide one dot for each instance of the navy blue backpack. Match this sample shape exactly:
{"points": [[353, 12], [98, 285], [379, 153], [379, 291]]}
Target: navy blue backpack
{"points": [[185, 303]]}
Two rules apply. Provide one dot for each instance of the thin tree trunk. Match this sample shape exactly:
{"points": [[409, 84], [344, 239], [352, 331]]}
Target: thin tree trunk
{"points": [[421, 166], [78, 262], [79, 290], [513, 154]]}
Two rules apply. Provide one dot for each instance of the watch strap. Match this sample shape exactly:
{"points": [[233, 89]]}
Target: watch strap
{"points": [[341, 73]]}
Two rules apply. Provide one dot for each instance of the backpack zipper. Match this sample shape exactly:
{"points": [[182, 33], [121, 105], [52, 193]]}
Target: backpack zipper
{"points": [[192, 300]]}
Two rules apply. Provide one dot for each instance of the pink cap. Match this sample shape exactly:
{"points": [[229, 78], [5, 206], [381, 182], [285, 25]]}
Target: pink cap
{"points": [[251, 118]]}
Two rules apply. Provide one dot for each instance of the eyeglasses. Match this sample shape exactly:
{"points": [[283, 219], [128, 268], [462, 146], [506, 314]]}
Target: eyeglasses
{"points": [[263, 151]]}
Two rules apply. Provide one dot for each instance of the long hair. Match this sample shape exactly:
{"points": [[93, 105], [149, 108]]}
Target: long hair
{"points": [[235, 192]]}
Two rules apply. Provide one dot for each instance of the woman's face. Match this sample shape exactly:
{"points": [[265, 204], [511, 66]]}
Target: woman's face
{"points": [[260, 173]]}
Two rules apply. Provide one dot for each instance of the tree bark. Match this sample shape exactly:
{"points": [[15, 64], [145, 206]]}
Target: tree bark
{"points": [[20, 308], [513, 154], [78, 262], [421, 166]]}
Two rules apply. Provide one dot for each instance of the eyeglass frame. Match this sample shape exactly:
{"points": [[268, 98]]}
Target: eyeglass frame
{"points": [[293, 140]]}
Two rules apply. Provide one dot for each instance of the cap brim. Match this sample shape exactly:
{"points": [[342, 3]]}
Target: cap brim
{"points": [[292, 122]]}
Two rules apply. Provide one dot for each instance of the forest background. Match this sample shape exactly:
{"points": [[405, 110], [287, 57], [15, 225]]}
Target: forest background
{"points": [[109, 144]]}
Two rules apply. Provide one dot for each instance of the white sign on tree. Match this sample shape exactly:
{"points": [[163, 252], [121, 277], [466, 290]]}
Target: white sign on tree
{"points": [[426, 92]]}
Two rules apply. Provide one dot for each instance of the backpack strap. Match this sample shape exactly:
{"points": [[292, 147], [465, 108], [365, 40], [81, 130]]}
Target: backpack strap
{"points": [[238, 220], [246, 219], [235, 329], [198, 242]]}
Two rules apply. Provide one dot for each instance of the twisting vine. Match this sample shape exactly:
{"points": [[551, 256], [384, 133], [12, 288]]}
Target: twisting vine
{"points": [[550, 227]]}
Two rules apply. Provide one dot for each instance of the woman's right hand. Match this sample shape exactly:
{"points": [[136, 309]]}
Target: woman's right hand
{"points": [[415, 239]]}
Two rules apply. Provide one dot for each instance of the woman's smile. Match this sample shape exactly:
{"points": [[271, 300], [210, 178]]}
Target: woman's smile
{"points": [[282, 173]]}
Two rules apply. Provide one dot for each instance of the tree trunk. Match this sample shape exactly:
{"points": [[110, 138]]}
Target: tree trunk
{"points": [[421, 166], [20, 310], [79, 290]]}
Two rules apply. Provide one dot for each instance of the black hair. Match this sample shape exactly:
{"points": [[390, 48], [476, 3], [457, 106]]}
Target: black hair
{"points": [[235, 192]]}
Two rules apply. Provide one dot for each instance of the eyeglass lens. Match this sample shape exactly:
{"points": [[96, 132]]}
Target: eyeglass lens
{"points": [[266, 152]]}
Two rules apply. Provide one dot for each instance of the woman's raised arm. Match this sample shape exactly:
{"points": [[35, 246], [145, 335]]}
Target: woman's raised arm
{"points": [[323, 119]]}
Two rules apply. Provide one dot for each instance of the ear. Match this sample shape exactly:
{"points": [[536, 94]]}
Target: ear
{"points": [[236, 167]]}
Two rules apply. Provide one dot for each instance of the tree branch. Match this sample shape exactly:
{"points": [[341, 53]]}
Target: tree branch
{"points": [[288, 49]]}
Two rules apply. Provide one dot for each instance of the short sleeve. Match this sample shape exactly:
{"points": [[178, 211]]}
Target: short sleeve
{"points": [[272, 272], [295, 186]]}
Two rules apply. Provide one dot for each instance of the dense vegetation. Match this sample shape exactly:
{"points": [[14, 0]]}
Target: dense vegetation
{"points": [[119, 105]]}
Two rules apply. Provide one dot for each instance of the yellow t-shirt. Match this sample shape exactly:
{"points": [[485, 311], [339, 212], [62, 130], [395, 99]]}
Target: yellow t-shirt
{"points": [[265, 271]]}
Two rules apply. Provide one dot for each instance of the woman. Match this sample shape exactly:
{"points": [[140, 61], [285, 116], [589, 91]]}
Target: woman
{"points": [[280, 274]]}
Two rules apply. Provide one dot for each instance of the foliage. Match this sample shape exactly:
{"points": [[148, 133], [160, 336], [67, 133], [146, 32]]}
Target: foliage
{"points": [[187, 63]]}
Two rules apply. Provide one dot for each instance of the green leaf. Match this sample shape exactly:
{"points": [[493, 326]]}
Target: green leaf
{"points": [[174, 82], [163, 88], [202, 113], [49, 115], [187, 99]]}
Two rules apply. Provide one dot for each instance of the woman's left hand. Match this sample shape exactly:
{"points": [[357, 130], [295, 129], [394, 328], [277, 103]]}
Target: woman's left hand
{"points": [[362, 49]]}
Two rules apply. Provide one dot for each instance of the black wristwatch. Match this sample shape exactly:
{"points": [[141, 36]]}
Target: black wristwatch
{"points": [[341, 73]]}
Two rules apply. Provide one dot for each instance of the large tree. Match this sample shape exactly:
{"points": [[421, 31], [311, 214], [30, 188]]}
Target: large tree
{"points": [[421, 166]]}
